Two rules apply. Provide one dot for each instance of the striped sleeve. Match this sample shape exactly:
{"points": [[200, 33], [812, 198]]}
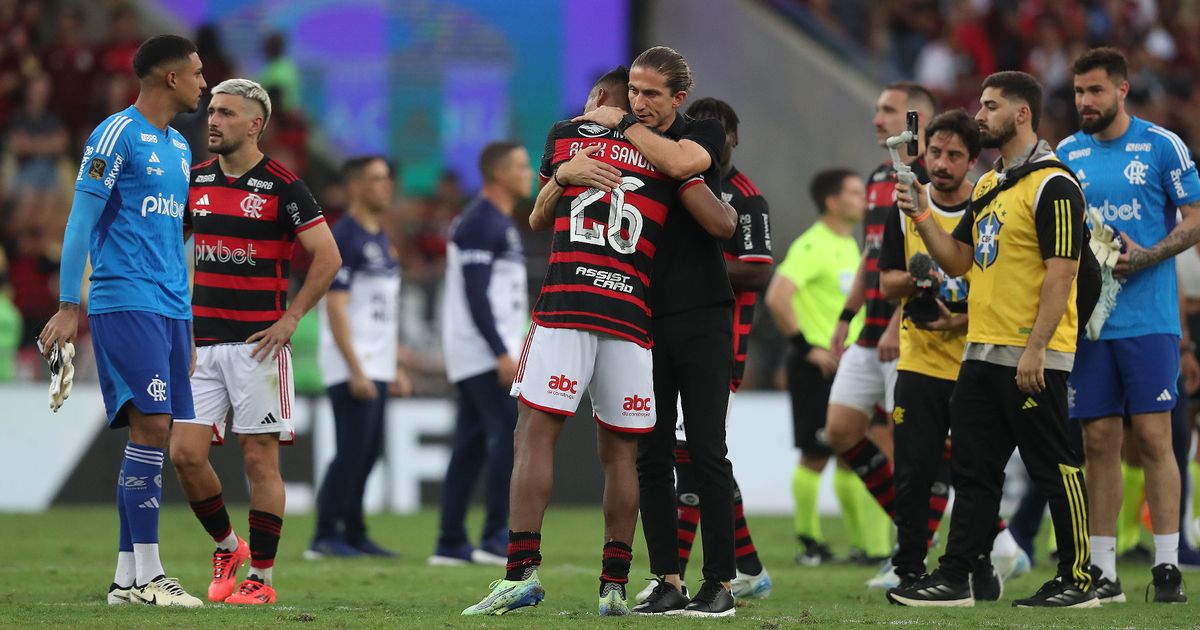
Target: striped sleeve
{"points": [[106, 154], [1059, 217]]}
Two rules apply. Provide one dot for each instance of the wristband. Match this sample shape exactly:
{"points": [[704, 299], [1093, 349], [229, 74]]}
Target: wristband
{"points": [[924, 215], [554, 176], [1187, 347], [847, 315], [800, 344]]}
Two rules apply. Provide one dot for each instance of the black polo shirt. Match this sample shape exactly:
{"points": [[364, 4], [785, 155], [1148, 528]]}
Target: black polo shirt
{"points": [[689, 267]]}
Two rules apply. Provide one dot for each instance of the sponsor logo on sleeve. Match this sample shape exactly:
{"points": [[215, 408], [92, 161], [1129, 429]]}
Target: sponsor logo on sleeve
{"points": [[96, 168], [111, 179], [1177, 182]]}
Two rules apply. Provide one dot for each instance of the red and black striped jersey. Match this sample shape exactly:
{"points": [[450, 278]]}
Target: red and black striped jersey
{"points": [[245, 229], [881, 201], [750, 243], [604, 244]]}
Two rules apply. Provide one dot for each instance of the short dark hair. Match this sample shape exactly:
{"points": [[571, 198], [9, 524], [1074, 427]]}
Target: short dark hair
{"points": [[916, 93], [669, 63], [493, 156], [709, 107], [158, 50], [828, 183], [959, 123], [615, 80], [1020, 85], [1105, 57], [353, 167]]}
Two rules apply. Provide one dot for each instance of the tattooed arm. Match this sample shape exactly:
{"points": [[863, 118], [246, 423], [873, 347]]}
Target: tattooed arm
{"points": [[1185, 234]]}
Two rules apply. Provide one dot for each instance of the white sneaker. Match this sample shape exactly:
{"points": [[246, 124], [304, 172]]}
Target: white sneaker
{"points": [[644, 594], [480, 556], [747, 586], [165, 591], [886, 578], [62, 373], [118, 595], [1010, 566]]}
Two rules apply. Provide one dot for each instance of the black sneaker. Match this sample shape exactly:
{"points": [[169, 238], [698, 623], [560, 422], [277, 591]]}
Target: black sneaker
{"points": [[814, 553], [1168, 585], [1059, 593], [907, 580], [713, 600], [933, 590], [986, 584], [1106, 590], [665, 599]]}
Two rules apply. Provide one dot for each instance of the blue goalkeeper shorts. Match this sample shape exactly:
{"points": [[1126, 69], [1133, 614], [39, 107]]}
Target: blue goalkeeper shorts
{"points": [[1132, 375], [143, 358]]}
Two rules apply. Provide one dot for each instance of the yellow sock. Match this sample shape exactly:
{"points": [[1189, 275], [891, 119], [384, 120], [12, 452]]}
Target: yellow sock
{"points": [[1194, 470], [874, 525], [805, 486], [847, 486], [1129, 521]]}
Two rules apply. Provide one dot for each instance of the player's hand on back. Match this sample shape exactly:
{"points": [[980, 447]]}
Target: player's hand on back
{"points": [[506, 370], [584, 170], [362, 387], [61, 328], [911, 201], [605, 116], [824, 360], [270, 341]]}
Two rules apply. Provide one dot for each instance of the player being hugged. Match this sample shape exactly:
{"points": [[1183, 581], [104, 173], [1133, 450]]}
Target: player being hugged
{"points": [[246, 211], [128, 217]]}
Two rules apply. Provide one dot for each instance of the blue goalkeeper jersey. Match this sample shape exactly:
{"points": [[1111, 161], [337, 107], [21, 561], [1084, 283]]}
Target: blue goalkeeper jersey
{"points": [[136, 249], [1137, 182]]}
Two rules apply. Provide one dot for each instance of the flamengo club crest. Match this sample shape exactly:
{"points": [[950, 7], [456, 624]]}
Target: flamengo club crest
{"points": [[252, 206], [987, 246]]}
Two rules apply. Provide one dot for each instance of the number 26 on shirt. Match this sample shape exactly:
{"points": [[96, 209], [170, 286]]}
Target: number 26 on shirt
{"points": [[619, 212]]}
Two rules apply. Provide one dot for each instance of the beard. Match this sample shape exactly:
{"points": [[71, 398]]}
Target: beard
{"points": [[994, 138], [1099, 124], [224, 146]]}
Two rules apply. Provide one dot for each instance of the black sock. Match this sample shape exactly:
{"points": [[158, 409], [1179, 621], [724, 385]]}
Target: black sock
{"points": [[213, 516], [524, 553], [617, 558]]}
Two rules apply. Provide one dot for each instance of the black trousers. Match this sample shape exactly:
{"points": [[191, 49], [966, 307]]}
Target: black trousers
{"points": [[922, 421], [359, 428], [989, 417], [693, 359]]}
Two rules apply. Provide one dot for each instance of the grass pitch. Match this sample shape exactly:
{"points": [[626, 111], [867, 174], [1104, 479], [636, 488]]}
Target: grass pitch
{"points": [[59, 564]]}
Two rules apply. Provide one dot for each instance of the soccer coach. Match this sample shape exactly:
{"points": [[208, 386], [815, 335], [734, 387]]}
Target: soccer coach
{"points": [[1021, 239]]}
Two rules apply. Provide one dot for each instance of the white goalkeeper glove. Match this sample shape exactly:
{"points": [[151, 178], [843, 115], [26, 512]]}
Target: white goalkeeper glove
{"points": [[1105, 243], [62, 372]]}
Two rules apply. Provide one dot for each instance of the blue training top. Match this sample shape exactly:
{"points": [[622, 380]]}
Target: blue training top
{"points": [[140, 173], [1137, 182]]}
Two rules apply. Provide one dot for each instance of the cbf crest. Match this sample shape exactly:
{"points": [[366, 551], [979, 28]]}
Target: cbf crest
{"points": [[987, 243]]}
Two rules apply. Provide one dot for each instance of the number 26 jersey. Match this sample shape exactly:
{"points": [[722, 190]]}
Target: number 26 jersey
{"points": [[604, 243]]}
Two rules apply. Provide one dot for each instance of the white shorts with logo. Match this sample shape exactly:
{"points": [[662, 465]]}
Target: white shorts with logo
{"points": [[864, 382], [680, 432], [260, 394], [558, 364]]}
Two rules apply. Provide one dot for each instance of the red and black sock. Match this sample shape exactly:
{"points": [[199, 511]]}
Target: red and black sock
{"points": [[687, 505], [689, 521], [524, 554], [873, 467], [617, 558], [213, 516], [939, 495], [747, 555], [264, 539]]}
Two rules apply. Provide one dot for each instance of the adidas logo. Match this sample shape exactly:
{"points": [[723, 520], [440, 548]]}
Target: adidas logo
{"points": [[203, 201], [154, 158], [1030, 403], [270, 419], [151, 504], [1164, 396]]}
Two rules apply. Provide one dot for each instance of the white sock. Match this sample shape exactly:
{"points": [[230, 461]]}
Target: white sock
{"points": [[1104, 555], [1005, 544], [263, 574], [126, 571], [148, 564], [229, 543], [1166, 549]]}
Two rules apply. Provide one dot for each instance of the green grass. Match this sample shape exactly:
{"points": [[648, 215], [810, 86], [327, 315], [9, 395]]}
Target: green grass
{"points": [[59, 564]]}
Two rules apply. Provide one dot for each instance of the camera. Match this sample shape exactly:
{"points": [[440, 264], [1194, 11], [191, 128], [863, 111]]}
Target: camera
{"points": [[922, 306]]}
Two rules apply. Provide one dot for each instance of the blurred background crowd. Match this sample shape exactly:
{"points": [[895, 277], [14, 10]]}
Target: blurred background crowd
{"points": [[65, 65]]}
